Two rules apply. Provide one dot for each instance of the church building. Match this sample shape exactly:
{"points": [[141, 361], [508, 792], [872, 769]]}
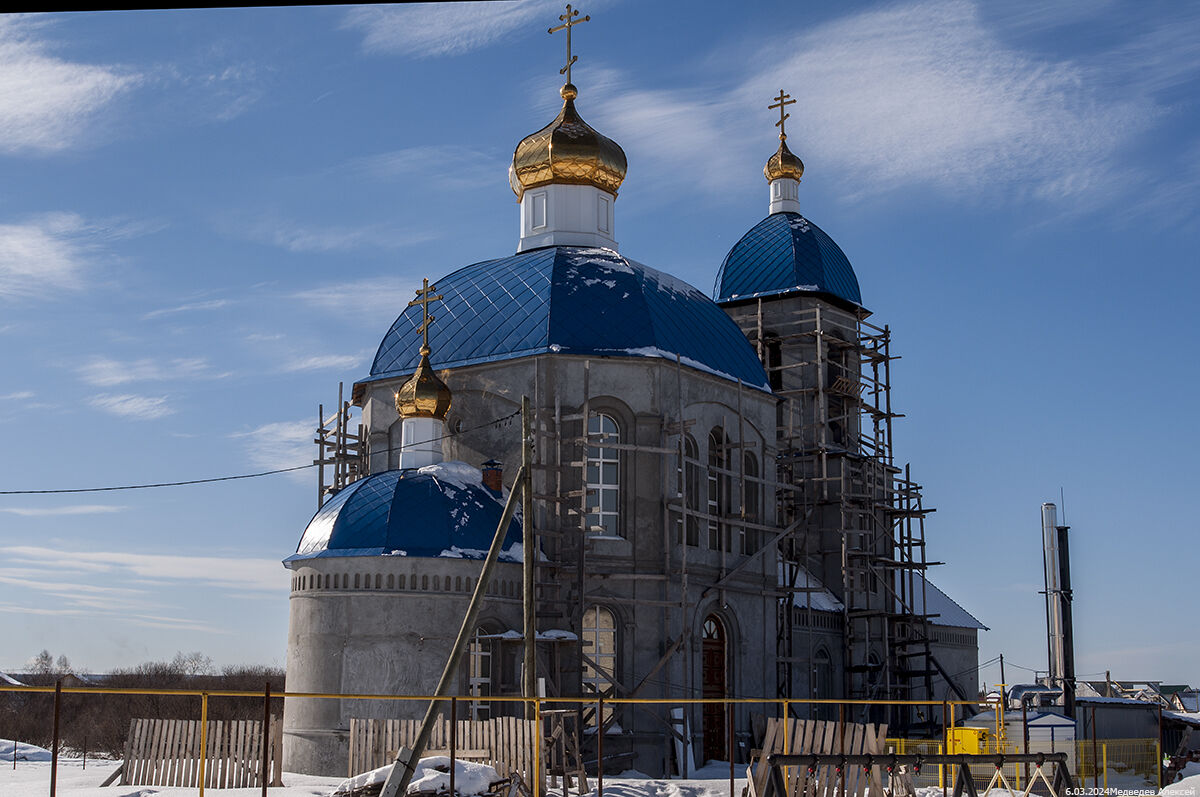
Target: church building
{"points": [[717, 511]]}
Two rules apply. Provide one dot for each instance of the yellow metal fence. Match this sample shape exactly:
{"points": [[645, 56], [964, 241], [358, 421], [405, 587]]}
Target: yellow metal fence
{"points": [[1114, 763]]}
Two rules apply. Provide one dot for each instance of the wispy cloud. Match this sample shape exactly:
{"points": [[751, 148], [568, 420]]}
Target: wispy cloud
{"points": [[46, 102], [191, 307], [919, 94], [320, 362], [106, 372], [20, 395], [127, 405], [240, 572], [81, 509], [41, 255], [427, 30], [284, 444], [471, 167], [296, 237], [378, 299]]}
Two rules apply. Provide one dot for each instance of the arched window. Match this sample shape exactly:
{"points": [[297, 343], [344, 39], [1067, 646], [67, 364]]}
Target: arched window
{"points": [[479, 652], [603, 475], [691, 490], [718, 491], [773, 359], [600, 648], [752, 499]]}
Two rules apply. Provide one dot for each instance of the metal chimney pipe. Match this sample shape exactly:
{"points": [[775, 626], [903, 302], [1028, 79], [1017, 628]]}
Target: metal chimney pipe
{"points": [[1051, 572]]}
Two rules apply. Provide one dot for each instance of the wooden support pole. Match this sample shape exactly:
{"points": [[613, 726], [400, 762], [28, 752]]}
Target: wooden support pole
{"points": [[529, 557], [266, 739], [406, 760], [203, 738], [54, 744]]}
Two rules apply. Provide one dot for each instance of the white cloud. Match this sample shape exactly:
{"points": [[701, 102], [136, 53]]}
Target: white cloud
{"points": [[43, 255], [923, 93], [244, 573], [127, 405], [284, 444], [20, 395], [81, 509], [107, 372], [375, 300], [320, 362], [296, 237], [471, 167], [46, 102], [433, 29], [191, 307]]}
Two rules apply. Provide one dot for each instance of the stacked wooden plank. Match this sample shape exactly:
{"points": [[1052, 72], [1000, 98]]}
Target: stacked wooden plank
{"points": [[820, 736], [167, 753], [508, 742]]}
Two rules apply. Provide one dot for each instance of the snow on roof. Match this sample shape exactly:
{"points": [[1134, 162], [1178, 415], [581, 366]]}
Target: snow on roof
{"points": [[1129, 701], [949, 612], [8, 679], [815, 595], [1189, 717]]}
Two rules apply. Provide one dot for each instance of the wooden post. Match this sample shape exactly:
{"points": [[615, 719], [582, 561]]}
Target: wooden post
{"points": [[453, 740], [402, 770], [600, 747], [266, 739], [529, 556], [203, 738], [1096, 751], [729, 713], [54, 745]]}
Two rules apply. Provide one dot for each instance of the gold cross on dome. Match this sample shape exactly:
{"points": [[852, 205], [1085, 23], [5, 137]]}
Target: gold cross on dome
{"points": [[424, 297], [782, 101], [569, 21]]}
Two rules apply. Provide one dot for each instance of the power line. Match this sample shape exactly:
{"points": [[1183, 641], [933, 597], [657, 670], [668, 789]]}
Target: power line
{"points": [[214, 479]]}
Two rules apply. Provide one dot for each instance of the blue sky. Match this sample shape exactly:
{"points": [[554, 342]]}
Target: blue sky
{"points": [[209, 218]]}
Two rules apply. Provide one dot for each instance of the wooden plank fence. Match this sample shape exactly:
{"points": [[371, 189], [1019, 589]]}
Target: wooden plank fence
{"points": [[167, 753], [820, 736], [506, 743]]}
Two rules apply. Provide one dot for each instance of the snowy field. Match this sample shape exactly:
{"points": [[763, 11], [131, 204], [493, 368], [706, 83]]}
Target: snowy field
{"points": [[31, 778]]}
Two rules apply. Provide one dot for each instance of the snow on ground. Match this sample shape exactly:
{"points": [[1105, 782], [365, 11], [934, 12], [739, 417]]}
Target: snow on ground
{"points": [[432, 774]]}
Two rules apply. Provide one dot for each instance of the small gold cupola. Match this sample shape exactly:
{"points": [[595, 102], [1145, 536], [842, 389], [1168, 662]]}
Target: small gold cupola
{"points": [[566, 175], [424, 395], [784, 169]]}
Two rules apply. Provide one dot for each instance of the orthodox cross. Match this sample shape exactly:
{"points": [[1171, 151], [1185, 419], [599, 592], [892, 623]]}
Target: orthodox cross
{"points": [[424, 297], [569, 21], [782, 102]]}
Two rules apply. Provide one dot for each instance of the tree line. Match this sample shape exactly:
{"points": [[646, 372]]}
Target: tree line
{"points": [[99, 723]]}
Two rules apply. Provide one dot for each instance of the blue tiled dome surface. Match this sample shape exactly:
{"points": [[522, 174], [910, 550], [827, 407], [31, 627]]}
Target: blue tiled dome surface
{"points": [[573, 300], [786, 253], [440, 510]]}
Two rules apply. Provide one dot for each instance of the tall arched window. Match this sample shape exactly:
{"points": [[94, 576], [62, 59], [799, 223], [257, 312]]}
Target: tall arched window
{"points": [[603, 475], [600, 647], [480, 684], [752, 499], [718, 491], [773, 355], [687, 525]]}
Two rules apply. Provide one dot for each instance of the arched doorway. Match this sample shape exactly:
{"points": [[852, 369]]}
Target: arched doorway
{"points": [[714, 683]]}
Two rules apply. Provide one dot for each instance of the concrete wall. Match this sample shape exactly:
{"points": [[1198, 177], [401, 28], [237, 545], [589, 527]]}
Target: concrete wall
{"points": [[386, 628]]}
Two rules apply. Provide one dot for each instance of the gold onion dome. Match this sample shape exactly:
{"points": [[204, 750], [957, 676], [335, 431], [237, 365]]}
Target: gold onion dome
{"points": [[423, 395], [783, 164], [567, 150]]}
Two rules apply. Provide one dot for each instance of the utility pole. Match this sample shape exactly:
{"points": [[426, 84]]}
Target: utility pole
{"points": [[1003, 683]]}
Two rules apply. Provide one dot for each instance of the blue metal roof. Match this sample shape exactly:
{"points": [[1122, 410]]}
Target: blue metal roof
{"points": [[786, 253], [439, 510], [573, 300]]}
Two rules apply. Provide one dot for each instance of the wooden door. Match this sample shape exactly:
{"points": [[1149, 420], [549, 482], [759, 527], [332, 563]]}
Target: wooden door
{"points": [[714, 684]]}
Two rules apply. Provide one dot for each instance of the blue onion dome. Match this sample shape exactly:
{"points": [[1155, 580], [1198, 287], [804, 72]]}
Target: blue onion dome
{"points": [[441, 510], [782, 254], [569, 300]]}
